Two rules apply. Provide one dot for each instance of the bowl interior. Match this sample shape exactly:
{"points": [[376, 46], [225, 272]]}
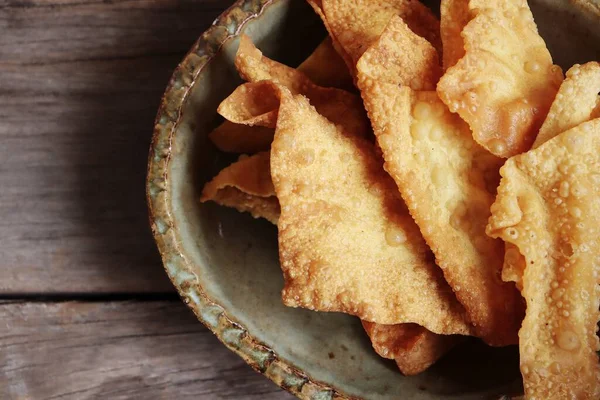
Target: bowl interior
{"points": [[235, 256]]}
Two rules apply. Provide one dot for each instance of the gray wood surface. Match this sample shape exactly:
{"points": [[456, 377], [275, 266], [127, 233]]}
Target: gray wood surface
{"points": [[119, 350], [80, 82]]}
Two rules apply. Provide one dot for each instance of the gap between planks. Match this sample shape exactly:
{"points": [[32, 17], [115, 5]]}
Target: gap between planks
{"points": [[87, 297]]}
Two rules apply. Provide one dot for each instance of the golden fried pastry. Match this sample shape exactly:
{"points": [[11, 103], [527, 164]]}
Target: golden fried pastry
{"points": [[505, 82], [548, 207], [575, 102], [245, 185], [447, 180], [324, 67], [346, 240], [412, 347]]}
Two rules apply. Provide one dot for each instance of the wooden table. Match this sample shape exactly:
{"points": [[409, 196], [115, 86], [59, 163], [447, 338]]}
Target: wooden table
{"points": [[86, 309]]}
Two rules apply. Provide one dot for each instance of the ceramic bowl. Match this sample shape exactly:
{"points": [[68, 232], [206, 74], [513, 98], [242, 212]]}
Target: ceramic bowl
{"points": [[225, 264]]}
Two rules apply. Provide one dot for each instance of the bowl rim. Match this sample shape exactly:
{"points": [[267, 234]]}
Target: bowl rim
{"points": [[232, 334]]}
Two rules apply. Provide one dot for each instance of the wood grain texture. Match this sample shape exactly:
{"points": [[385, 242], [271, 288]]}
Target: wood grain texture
{"points": [[118, 350], [80, 82]]}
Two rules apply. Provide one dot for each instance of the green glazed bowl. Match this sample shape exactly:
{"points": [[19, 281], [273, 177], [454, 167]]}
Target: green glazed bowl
{"points": [[225, 264]]}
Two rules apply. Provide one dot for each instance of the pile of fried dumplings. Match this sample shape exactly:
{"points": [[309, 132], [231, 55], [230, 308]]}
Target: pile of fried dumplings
{"points": [[436, 178]]}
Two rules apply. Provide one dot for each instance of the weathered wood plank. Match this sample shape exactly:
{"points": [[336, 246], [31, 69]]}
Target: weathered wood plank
{"points": [[118, 350], [80, 82]]}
